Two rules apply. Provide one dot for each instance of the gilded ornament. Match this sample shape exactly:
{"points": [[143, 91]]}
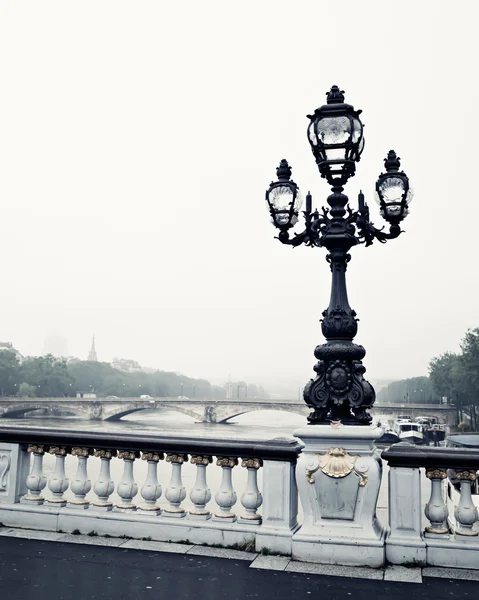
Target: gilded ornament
{"points": [[177, 458], [252, 463], [36, 449], [201, 460], [225, 461], [436, 474], [466, 475], [104, 453], [128, 454], [337, 463], [152, 456], [57, 450], [82, 451]]}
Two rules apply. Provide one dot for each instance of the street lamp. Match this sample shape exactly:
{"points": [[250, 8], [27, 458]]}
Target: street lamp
{"points": [[339, 391]]}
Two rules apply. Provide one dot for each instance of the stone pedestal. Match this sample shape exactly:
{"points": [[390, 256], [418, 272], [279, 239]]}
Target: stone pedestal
{"points": [[338, 476]]}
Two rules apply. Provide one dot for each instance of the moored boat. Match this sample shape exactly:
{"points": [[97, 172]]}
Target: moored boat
{"points": [[411, 432]]}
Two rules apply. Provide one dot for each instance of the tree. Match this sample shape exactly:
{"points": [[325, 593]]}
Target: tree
{"points": [[26, 390], [9, 376], [445, 374], [469, 363], [49, 376]]}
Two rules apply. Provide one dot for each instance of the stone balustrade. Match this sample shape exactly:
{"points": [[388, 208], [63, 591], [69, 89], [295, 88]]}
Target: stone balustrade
{"points": [[244, 493], [155, 503], [443, 531]]}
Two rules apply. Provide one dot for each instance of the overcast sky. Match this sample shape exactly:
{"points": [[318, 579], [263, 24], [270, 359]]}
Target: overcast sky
{"points": [[137, 139]]}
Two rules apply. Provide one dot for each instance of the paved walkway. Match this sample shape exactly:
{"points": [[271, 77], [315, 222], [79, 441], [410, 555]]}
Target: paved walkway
{"points": [[37, 565]]}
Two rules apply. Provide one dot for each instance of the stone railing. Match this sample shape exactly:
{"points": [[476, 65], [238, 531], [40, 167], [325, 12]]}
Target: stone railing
{"points": [[159, 506], [449, 534]]}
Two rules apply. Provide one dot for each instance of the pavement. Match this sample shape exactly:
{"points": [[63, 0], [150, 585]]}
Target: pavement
{"points": [[38, 565]]}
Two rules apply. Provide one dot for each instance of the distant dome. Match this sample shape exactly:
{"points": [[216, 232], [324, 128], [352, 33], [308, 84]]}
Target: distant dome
{"points": [[56, 344]]}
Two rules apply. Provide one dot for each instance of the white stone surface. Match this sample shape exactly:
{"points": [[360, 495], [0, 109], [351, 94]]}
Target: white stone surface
{"points": [[91, 540], [406, 574], [404, 543], [272, 563], [335, 570], [453, 553], [14, 469], [447, 573], [339, 513], [157, 546], [32, 534], [222, 553]]}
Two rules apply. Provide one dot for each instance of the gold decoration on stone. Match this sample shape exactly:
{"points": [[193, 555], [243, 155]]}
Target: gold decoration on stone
{"points": [[58, 450], [197, 459], [36, 449], [177, 458], [82, 451], [466, 475], [152, 456], [337, 463], [252, 463], [226, 461], [128, 454], [104, 453], [363, 474], [436, 473]]}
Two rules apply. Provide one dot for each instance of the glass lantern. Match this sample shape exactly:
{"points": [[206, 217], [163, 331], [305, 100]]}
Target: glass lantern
{"points": [[283, 198], [336, 137], [393, 192]]}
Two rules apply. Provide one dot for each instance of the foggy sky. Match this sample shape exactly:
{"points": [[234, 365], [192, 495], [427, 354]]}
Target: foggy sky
{"points": [[136, 142]]}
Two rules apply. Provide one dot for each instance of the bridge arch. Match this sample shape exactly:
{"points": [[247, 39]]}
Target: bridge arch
{"points": [[115, 414], [20, 409], [223, 416]]}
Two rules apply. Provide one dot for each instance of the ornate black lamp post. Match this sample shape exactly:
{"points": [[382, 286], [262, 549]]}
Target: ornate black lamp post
{"points": [[339, 391]]}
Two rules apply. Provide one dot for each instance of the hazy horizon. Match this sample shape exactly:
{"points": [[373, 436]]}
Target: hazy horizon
{"points": [[137, 140]]}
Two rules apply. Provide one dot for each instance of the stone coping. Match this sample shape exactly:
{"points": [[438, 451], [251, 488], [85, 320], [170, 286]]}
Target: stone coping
{"points": [[280, 448]]}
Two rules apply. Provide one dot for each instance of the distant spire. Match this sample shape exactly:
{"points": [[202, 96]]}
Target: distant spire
{"points": [[92, 354]]}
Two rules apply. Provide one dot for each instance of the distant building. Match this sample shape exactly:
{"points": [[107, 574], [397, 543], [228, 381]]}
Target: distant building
{"points": [[89, 394], [235, 389], [126, 365], [92, 354], [56, 344], [8, 347]]}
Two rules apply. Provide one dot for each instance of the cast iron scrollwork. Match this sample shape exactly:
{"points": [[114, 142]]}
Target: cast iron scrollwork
{"points": [[339, 392]]}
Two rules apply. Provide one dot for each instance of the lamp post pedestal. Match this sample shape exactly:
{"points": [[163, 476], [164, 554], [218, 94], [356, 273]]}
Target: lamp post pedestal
{"points": [[338, 476]]}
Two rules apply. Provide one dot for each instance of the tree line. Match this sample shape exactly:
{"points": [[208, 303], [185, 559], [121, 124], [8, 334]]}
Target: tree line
{"points": [[50, 377], [454, 376]]}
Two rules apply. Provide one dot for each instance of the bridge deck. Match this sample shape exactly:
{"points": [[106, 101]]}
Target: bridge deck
{"points": [[46, 570]]}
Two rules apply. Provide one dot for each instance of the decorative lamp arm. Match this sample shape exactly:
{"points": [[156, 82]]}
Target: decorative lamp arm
{"points": [[366, 230]]}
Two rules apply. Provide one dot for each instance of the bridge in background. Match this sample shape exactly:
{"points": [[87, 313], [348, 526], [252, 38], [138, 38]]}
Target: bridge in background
{"points": [[203, 410]]}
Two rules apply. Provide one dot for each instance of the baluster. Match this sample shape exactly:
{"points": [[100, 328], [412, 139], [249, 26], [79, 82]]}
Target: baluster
{"points": [[81, 485], [151, 489], [104, 485], [226, 496], [175, 492], [59, 483], [251, 498], [436, 509], [36, 481], [200, 493], [466, 512], [127, 488]]}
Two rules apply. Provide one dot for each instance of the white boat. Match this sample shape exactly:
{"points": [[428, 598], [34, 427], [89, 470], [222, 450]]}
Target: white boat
{"points": [[411, 432]]}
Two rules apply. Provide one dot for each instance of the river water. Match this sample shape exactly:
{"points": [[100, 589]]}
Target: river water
{"points": [[260, 424]]}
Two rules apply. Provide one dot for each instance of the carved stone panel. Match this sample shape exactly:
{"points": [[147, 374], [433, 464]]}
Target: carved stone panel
{"points": [[338, 497], [5, 462]]}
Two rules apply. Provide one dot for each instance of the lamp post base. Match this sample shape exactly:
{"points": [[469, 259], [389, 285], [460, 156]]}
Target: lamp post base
{"points": [[338, 476]]}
